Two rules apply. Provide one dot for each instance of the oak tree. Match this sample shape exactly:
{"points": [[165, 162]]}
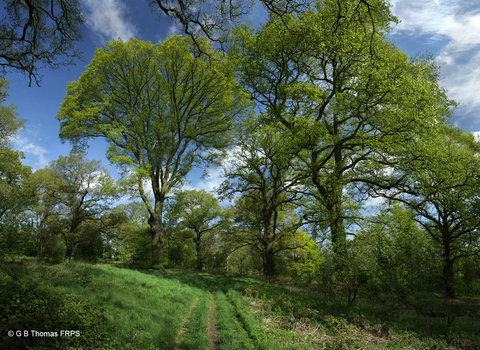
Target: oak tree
{"points": [[261, 170], [163, 108], [200, 216], [349, 96], [77, 194], [440, 181]]}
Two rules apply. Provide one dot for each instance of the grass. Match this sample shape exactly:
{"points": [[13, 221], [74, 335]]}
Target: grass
{"points": [[195, 336], [115, 308], [231, 333]]}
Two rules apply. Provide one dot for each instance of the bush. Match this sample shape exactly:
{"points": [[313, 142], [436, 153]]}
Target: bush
{"points": [[26, 305]]}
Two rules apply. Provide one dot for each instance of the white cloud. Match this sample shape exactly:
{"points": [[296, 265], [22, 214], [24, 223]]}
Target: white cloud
{"points": [[173, 30], [22, 143], [374, 201], [107, 19], [462, 80], [210, 183], [476, 134], [424, 17], [458, 23]]}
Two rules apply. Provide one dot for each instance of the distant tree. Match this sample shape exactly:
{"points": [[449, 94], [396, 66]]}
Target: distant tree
{"points": [[135, 212], [400, 255], [163, 108], [130, 239], [440, 184], [9, 123], [36, 33], [200, 216], [79, 193], [301, 263]]}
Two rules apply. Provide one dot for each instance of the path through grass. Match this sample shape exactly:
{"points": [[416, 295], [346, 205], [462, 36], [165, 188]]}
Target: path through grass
{"points": [[113, 308], [212, 324]]}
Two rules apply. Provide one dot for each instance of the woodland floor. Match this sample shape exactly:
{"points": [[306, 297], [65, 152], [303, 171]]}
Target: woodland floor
{"points": [[115, 308]]}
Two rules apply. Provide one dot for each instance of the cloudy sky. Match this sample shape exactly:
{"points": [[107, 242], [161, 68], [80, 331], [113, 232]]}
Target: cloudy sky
{"points": [[449, 30]]}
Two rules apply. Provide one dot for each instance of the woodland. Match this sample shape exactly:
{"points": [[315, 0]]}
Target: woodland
{"points": [[311, 117]]}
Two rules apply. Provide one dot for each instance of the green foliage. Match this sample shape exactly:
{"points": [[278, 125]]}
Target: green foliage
{"points": [[245, 261], [30, 305], [197, 216], [90, 247], [347, 100], [136, 249], [157, 136], [302, 263], [439, 182], [16, 239], [74, 197], [9, 123], [261, 171], [398, 257], [15, 194]]}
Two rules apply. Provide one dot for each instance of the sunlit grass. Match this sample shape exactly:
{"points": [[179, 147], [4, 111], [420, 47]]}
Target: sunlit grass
{"points": [[117, 308], [196, 329], [231, 334], [145, 309]]}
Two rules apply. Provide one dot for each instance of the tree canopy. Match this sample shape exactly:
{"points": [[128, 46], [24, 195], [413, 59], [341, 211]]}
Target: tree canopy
{"points": [[161, 107], [78, 194], [347, 95]]}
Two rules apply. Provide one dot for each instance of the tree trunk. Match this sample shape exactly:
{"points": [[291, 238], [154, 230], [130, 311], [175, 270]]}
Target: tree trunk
{"points": [[448, 276], [337, 224], [331, 193], [69, 252], [199, 251], [337, 228], [268, 261], [158, 235]]}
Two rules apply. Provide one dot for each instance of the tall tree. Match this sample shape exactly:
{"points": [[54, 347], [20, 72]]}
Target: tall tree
{"points": [[163, 108], [440, 181], [261, 171], [348, 96], [39, 33]]}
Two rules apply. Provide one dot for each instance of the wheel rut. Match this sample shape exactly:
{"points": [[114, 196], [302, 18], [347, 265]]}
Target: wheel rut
{"points": [[184, 322], [212, 324]]}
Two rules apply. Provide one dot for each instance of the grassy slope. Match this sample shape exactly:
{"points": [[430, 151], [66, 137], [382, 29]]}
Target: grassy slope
{"points": [[126, 309]]}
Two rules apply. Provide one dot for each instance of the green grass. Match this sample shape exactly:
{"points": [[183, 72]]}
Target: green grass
{"points": [[195, 336], [114, 308], [231, 333], [154, 305]]}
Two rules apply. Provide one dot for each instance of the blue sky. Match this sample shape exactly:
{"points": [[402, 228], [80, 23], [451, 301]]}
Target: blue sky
{"points": [[449, 30]]}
